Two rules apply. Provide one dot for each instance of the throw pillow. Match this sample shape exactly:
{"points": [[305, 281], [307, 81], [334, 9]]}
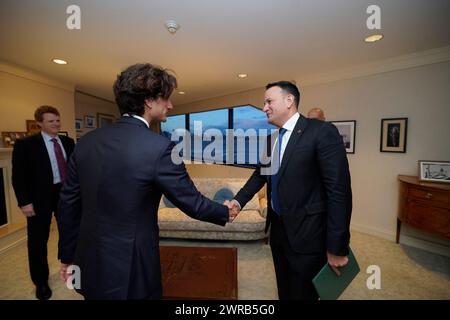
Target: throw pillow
{"points": [[222, 195]]}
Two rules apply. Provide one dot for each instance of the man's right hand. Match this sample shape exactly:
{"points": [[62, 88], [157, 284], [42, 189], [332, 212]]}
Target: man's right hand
{"points": [[28, 210], [233, 209]]}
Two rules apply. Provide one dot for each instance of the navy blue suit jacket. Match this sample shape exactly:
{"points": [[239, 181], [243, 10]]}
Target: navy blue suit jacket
{"points": [[108, 220]]}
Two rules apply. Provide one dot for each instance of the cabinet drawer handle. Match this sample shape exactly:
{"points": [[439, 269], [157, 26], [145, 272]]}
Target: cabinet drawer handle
{"points": [[429, 195]]}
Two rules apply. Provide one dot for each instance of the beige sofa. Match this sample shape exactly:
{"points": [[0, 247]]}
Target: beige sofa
{"points": [[249, 225]]}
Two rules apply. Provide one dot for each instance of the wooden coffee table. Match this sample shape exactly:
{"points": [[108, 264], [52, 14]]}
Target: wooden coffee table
{"points": [[199, 272]]}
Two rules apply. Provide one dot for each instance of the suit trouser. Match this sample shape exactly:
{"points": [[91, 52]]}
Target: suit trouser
{"points": [[38, 230], [294, 271]]}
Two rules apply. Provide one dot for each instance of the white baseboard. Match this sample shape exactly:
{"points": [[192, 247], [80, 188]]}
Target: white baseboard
{"points": [[12, 245], [8, 244], [423, 244], [373, 231]]}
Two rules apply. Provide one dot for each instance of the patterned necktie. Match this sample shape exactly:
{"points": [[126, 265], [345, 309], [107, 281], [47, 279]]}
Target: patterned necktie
{"points": [[275, 198], [62, 166]]}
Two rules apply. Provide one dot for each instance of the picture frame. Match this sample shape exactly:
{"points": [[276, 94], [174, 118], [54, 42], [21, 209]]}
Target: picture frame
{"points": [[78, 124], [104, 119], [9, 138], [32, 126], [393, 135], [88, 122], [434, 171], [347, 130]]}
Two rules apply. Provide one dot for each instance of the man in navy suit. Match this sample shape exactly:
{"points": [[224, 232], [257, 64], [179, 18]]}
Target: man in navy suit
{"points": [[39, 168], [108, 222], [310, 195]]}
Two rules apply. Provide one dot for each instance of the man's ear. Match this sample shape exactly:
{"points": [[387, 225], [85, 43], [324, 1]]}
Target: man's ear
{"points": [[148, 103], [290, 100]]}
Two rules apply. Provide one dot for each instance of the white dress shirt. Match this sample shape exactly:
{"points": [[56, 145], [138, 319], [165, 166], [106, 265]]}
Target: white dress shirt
{"points": [[289, 126]]}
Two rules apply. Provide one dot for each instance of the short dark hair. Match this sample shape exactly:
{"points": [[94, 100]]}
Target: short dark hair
{"points": [[39, 113], [289, 88], [140, 82]]}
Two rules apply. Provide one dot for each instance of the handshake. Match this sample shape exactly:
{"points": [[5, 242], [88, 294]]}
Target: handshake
{"points": [[233, 209]]}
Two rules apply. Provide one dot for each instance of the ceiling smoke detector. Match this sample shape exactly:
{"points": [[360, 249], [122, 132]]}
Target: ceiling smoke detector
{"points": [[172, 26]]}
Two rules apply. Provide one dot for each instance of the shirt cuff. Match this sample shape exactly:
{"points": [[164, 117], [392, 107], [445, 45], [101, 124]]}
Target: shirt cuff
{"points": [[237, 203]]}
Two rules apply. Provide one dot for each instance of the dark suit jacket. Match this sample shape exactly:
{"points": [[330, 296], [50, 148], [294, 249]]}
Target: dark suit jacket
{"points": [[108, 209], [32, 175], [314, 189]]}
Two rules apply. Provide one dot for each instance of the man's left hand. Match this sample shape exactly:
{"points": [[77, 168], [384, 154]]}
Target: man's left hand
{"points": [[336, 261]]}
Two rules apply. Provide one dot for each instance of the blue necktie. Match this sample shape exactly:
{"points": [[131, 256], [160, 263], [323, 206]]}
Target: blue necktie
{"points": [[275, 198]]}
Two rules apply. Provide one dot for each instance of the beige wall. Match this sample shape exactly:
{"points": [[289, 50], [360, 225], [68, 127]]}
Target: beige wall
{"points": [[22, 91], [86, 104], [14, 215]]}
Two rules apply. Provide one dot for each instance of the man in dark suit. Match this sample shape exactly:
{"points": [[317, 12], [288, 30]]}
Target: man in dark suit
{"points": [[39, 168], [310, 195], [108, 222]]}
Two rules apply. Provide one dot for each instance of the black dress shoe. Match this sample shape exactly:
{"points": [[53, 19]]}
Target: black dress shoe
{"points": [[43, 292]]}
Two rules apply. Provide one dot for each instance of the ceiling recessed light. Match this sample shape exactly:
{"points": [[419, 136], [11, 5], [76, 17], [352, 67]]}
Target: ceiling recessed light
{"points": [[59, 61], [242, 75], [172, 26], [373, 38]]}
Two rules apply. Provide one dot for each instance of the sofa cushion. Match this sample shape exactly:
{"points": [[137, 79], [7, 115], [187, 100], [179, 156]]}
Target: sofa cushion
{"points": [[253, 204], [174, 219]]}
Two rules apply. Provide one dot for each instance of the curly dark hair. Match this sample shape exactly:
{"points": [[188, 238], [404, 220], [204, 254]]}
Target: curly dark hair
{"points": [[39, 113], [140, 82]]}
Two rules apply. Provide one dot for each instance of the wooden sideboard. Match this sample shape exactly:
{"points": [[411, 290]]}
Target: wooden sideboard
{"points": [[425, 206]]}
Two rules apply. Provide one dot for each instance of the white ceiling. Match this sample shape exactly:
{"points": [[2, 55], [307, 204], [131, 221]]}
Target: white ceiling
{"points": [[268, 39]]}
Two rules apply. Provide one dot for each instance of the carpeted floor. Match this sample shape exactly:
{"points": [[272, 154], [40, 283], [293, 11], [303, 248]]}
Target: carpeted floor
{"points": [[406, 272]]}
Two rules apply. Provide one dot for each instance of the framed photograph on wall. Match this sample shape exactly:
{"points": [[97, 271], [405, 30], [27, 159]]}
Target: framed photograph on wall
{"points": [[104, 119], [347, 131], [434, 171], [89, 122], [78, 124], [32, 126], [393, 135]]}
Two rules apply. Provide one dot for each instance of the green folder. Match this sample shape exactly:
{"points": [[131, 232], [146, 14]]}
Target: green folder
{"points": [[329, 285]]}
